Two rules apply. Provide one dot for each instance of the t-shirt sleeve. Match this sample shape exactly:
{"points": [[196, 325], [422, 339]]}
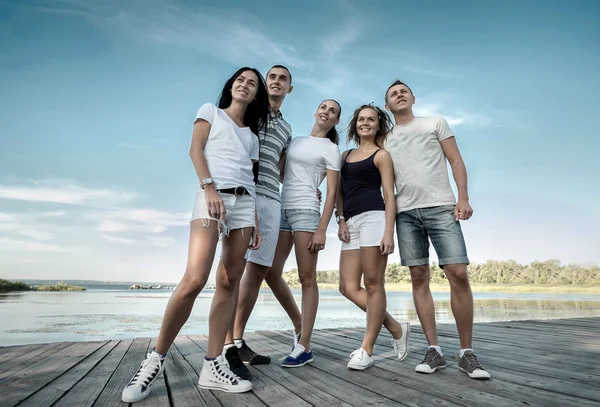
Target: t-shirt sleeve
{"points": [[442, 129], [206, 112], [333, 158], [254, 149]]}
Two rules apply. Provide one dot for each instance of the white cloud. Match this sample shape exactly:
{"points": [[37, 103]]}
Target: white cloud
{"points": [[17, 245], [333, 43], [118, 240], [36, 234], [160, 241], [63, 192], [454, 116]]}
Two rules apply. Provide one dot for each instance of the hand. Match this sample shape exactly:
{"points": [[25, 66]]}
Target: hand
{"points": [[317, 242], [319, 195], [214, 202], [462, 210], [255, 240], [387, 244], [343, 232]]}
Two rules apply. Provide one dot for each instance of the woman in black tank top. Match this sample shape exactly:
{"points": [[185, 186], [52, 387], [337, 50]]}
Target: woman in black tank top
{"points": [[366, 228]]}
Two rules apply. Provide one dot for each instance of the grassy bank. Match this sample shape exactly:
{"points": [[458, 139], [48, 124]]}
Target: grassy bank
{"points": [[9, 286], [490, 288]]}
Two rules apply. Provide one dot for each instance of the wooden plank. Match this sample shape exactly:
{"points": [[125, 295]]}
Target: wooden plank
{"points": [[111, 394], [194, 353], [159, 396], [21, 361], [382, 390], [513, 383], [54, 390], [11, 352], [266, 389], [293, 384], [36, 375], [85, 393], [183, 382]]}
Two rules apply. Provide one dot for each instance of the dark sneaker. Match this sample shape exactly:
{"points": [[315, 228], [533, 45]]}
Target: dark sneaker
{"points": [[236, 365], [299, 357], [250, 357], [470, 365], [431, 362]]}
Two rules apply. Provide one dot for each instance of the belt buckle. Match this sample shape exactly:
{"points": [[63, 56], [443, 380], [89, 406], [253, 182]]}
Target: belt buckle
{"points": [[239, 191]]}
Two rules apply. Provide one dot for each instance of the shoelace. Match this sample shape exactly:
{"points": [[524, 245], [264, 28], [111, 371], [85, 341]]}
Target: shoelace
{"points": [[223, 370], [395, 344], [296, 352], [472, 359], [359, 352], [146, 370], [429, 355]]}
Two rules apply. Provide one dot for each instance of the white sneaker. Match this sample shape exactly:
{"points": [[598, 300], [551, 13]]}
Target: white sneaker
{"points": [[215, 375], [401, 345], [360, 360], [140, 384]]}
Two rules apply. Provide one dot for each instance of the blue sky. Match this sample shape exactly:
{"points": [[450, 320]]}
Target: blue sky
{"points": [[98, 99]]}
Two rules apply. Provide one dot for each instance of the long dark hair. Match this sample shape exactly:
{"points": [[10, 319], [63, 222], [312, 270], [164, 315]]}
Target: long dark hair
{"points": [[384, 124], [257, 112], [333, 134]]}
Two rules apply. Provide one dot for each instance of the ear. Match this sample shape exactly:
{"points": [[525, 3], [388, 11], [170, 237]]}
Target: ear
{"points": [[290, 89], [387, 107]]}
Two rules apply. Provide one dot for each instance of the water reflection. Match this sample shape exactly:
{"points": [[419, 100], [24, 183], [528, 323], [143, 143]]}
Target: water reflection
{"points": [[36, 317]]}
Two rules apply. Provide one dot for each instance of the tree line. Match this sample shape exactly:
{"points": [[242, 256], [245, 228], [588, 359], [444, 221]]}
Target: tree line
{"points": [[550, 272]]}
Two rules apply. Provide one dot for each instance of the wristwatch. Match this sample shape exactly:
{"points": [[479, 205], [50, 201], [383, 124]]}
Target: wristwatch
{"points": [[339, 218], [207, 181]]}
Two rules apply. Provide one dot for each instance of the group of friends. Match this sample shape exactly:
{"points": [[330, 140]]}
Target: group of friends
{"points": [[258, 192]]}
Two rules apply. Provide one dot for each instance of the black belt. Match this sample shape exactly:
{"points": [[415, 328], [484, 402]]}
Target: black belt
{"points": [[235, 191]]}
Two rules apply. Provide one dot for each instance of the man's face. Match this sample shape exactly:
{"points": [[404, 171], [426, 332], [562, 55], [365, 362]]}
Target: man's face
{"points": [[278, 82], [399, 98]]}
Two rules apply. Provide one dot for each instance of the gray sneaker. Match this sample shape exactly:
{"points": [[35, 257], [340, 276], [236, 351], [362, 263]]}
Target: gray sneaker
{"points": [[470, 365], [431, 362]]}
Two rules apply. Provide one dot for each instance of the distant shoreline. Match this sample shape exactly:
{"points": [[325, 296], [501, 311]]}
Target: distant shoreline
{"points": [[490, 288]]}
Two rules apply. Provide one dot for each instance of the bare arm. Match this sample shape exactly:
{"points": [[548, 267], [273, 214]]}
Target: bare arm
{"points": [[459, 172], [383, 161], [282, 167], [332, 181], [339, 207]]}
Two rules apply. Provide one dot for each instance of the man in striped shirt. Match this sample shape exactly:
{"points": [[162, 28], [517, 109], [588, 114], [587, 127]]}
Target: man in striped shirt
{"points": [[274, 141]]}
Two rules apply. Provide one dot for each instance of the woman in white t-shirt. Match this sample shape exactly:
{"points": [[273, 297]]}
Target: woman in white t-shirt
{"points": [[224, 152], [309, 160]]}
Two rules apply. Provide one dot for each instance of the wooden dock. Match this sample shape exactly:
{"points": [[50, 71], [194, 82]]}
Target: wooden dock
{"points": [[543, 363]]}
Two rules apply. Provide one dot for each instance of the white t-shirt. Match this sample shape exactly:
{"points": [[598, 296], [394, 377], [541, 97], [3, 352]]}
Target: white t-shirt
{"points": [[229, 150], [421, 175], [306, 165]]}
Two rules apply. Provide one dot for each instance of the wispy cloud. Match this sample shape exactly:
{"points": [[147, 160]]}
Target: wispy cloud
{"points": [[118, 240], [18, 245], [453, 113], [333, 43], [63, 192]]}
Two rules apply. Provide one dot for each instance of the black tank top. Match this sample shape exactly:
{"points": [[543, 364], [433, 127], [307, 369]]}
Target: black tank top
{"points": [[362, 186]]}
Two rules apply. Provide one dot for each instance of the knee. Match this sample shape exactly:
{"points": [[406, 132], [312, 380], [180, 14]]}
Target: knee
{"points": [[307, 279], [256, 273], [231, 275], [457, 274], [192, 286], [373, 283], [348, 290], [420, 276]]}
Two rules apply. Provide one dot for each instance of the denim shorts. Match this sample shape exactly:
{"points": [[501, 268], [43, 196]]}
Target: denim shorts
{"points": [[416, 226], [299, 220]]}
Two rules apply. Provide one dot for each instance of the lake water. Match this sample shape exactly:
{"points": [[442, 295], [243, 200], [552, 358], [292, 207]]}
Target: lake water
{"points": [[115, 312]]}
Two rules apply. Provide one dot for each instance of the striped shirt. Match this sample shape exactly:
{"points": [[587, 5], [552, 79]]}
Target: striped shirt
{"points": [[274, 142]]}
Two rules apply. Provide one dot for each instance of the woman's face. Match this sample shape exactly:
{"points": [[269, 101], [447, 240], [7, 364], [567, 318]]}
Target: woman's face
{"points": [[367, 123], [328, 114], [244, 87]]}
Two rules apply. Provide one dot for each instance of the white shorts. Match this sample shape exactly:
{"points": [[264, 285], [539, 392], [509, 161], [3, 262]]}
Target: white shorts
{"points": [[269, 216], [366, 230], [239, 208]]}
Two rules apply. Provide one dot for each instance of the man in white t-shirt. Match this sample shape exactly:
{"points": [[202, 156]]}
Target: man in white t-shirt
{"points": [[427, 209]]}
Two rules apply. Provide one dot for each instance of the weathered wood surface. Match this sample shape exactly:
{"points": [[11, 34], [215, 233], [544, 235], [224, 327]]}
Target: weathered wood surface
{"points": [[543, 363]]}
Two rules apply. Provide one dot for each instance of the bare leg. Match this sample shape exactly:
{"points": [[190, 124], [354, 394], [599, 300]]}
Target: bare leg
{"points": [[307, 272], [424, 301], [280, 289], [229, 272], [350, 274], [248, 294], [461, 301], [201, 253], [373, 264]]}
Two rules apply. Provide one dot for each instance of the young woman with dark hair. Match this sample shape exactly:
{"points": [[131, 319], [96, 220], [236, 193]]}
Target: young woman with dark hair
{"points": [[310, 159], [224, 151], [366, 229]]}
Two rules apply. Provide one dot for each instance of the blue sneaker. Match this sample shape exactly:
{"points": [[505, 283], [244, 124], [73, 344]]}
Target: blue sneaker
{"points": [[298, 357]]}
